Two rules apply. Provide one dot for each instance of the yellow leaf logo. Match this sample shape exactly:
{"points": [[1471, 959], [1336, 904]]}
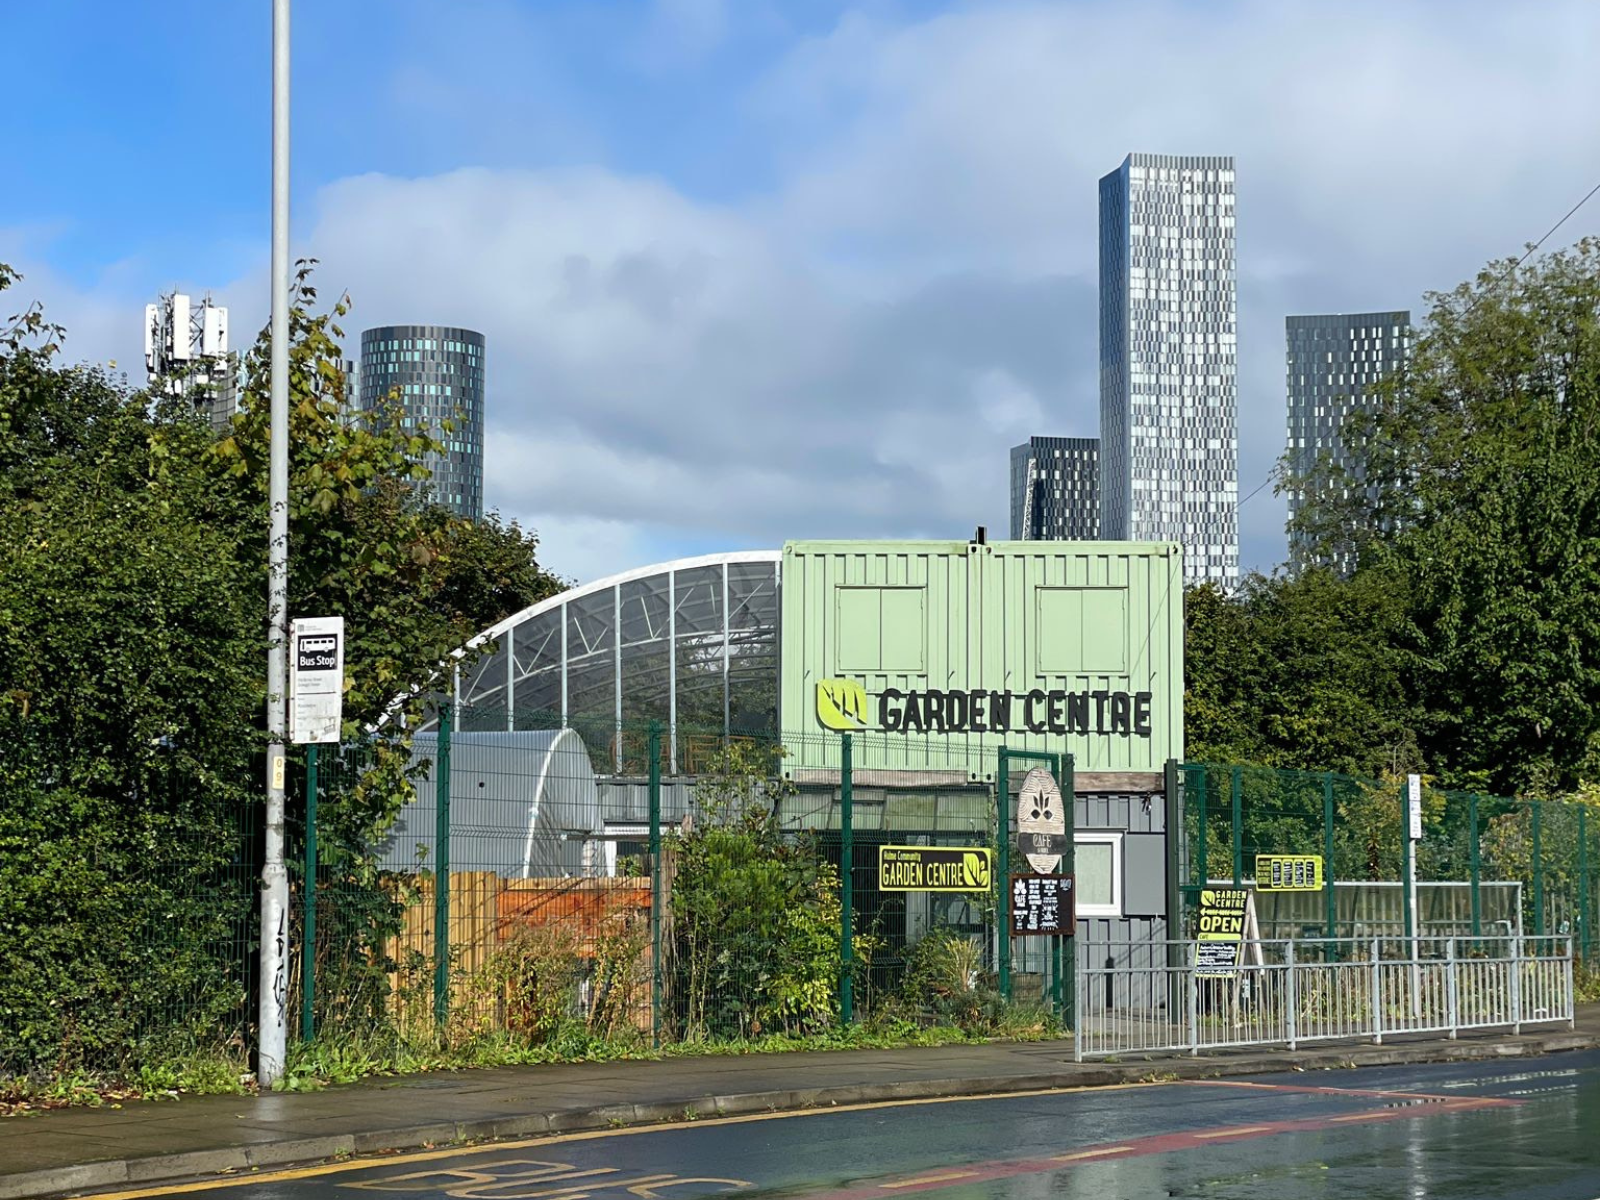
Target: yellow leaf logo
{"points": [[841, 705], [975, 868]]}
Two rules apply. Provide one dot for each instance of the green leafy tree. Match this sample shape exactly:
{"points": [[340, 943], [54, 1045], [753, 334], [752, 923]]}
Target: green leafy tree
{"points": [[132, 647], [413, 581], [1482, 466], [755, 916], [128, 689], [1299, 673]]}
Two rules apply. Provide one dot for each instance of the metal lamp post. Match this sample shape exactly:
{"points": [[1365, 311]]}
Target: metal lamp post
{"points": [[274, 974]]}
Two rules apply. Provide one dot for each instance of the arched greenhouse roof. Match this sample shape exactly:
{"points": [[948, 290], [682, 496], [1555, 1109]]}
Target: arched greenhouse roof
{"points": [[522, 805], [691, 643]]}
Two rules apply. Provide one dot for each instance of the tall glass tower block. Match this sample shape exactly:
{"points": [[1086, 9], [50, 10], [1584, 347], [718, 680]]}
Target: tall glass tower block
{"points": [[1335, 363], [1053, 492], [1169, 394], [437, 370]]}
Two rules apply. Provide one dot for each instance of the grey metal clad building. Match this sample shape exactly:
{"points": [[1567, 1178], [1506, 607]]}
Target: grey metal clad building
{"points": [[1055, 494], [1169, 446], [1334, 361], [438, 372]]}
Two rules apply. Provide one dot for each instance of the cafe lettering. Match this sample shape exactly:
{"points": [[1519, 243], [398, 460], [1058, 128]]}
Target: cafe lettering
{"points": [[980, 711]]}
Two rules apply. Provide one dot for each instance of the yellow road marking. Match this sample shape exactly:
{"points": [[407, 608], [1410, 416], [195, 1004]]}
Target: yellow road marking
{"points": [[1082, 1154], [290, 1174], [921, 1179], [1242, 1129], [484, 1175]]}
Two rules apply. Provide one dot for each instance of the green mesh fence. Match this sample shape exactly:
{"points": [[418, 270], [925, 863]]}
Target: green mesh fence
{"points": [[126, 915], [1484, 866], [624, 883], [558, 884]]}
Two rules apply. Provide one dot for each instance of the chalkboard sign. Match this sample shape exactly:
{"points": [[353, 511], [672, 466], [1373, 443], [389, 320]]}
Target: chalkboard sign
{"points": [[1041, 904], [1223, 912]]}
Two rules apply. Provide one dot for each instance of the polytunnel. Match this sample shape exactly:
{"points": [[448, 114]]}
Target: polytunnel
{"points": [[523, 805]]}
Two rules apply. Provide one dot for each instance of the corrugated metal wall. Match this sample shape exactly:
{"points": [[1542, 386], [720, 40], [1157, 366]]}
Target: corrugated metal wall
{"points": [[1090, 619]]}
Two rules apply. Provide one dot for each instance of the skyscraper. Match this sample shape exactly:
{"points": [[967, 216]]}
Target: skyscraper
{"points": [[438, 372], [1169, 446], [1054, 490], [1334, 361]]}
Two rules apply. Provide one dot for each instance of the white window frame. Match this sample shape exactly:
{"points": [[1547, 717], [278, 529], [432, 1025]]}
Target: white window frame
{"points": [[620, 833], [1104, 837]]}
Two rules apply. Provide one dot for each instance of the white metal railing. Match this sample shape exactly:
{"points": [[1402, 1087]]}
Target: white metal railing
{"points": [[1134, 997]]}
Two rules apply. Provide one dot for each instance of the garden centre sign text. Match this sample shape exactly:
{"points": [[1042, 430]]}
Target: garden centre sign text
{"points": [[843, 705]]}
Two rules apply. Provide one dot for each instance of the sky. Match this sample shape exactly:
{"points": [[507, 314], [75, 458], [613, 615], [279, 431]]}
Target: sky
{"points": [[760, 269]]}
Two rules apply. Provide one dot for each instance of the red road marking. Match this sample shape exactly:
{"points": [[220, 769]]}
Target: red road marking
{"points": [[1365, 1093], [1412, 1104]]}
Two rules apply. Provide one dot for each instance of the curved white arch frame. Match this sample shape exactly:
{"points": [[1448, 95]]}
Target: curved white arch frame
{"points": [[506, 630], [560, 743]]}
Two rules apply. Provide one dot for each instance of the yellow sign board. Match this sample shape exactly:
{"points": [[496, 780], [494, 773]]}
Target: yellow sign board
{"points": [[935, 869], [1221, 932], [841, 705], [1288, 872]]}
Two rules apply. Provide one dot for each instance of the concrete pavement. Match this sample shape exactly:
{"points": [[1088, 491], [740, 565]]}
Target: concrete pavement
{"points": [[73, 1150]]}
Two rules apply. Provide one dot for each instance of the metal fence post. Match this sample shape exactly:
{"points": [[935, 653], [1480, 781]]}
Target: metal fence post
{"points": [[1002, 912], [1452, 985], [308, 932], [1583, 883], [1571, 999], [1077, 1034], [1238, 826], [1475, 864], [655, 883], [1330, 897], [1538, 868], [1408, 878], [1193, 986], [441, 875], [1293, 992], [1067, 769], [1205, 877], [1053, 952], [1516, 984], [846, 880], [1377, 995], [1172, 819]]}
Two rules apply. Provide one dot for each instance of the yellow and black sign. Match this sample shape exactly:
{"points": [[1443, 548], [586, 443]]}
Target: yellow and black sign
{"points": [[841, 705], [935, 869], [1288, 872], [1222, 915], [844, 706]]}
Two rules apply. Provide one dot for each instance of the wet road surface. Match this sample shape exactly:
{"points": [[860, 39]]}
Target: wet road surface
{"points": [[1483, 1131]]}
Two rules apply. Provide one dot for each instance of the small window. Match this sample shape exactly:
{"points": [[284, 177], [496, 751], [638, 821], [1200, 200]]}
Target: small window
{"points": [[625, 842], [1098, 870]]}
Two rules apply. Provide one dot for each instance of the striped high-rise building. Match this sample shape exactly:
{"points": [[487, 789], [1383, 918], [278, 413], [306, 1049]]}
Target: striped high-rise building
{"points": [[1055, 494], [1334, 362], [1169, 446]]}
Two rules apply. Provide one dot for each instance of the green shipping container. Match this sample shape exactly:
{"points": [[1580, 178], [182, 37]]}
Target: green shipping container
{"points": [[950, 649]]}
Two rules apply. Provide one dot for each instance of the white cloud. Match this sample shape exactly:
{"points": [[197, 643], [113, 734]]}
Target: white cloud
{"points": [[1382, 151], [583, 550], [853, 351], [682, 32], [102, 318], [674, 367]]}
